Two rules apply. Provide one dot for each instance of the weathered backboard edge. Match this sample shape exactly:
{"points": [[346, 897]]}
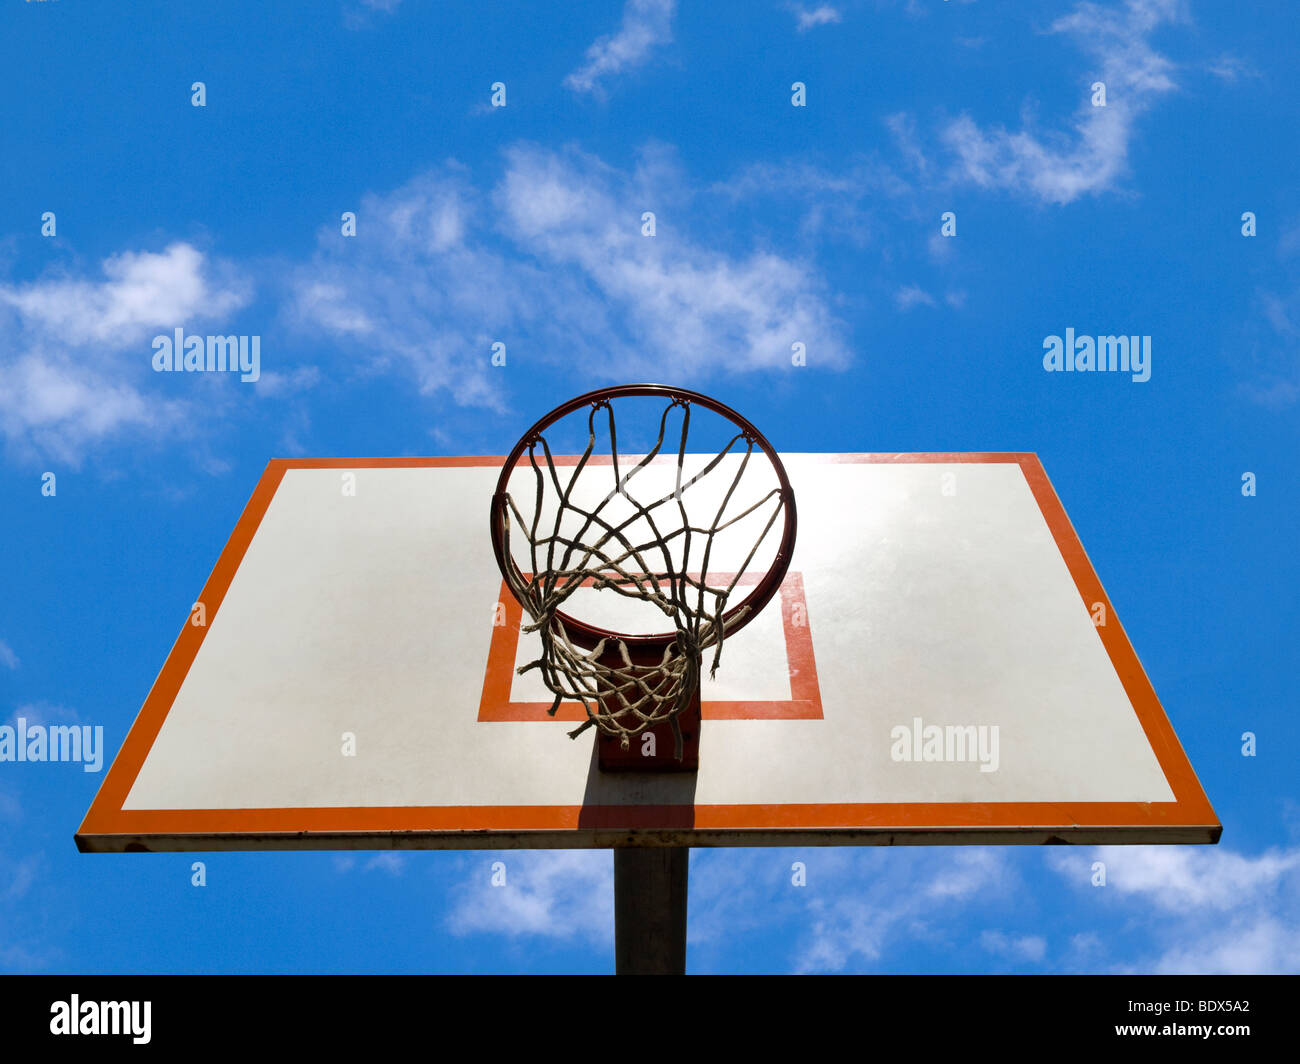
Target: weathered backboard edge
{"points": [[108, 827]]}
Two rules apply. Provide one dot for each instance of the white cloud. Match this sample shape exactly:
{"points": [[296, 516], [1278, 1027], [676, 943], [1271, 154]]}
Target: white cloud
{"points": [[10, 808], [57, 407], [276, 385], [969, 871], [1085, 947], [903, 129], [848, 927], [1184, 878], [1279, 315], [822, 15], [23, 876], [912, 295], [1166, 909], [836, 205], [832, 923], [738, 891], [1268, 346], [22, 958], [142, 291], [1251, 945], [646, 25], [560, 894], [69, 383], [22, 914], [1014, 947], [554, 255], [7, 656], [1208, 909], [691, 303], [327, 305], [41, 713], [1230, 68], [392, 863], [1093, 155], [366, 13]]}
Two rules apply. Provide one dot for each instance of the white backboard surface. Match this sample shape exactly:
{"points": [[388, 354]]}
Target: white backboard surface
{"points": [[933, 671]]}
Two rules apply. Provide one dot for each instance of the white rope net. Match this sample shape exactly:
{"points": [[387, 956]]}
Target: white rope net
{"points": [[641, 552]]}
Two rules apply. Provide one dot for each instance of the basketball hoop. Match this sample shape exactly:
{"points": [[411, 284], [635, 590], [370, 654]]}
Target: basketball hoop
{"points": [[610, 526]]}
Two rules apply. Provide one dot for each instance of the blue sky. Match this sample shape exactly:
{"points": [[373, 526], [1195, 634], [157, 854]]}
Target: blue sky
{"points": [[774, 223]]}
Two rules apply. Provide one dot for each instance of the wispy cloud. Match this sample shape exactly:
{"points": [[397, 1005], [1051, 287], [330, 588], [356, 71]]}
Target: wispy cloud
{"points": [[10, 807], [849, 928], [968, 872], [903, 129], [828, 921], [62, 340], [1268, 346], [1164, 908], [807, 18], [392, 863], [25, 959], [1092, 156], [1014, 947], [40, 713], [1208, 909], [737, 892], [1232, 68], [8, 658], [647, 24], [22, 945], [555, 254], [20, 875], [299, 379], [912, 295], [833, 204], [561, 894], [367, 12]]}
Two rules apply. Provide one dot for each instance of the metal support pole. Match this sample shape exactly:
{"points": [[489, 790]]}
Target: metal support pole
{"points": [[650, 909]]}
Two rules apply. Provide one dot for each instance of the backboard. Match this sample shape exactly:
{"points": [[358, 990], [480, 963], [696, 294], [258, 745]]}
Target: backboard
{"points": [[941, 665]]}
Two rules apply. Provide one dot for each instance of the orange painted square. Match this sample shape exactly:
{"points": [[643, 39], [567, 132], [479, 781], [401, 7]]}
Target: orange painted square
{"points": [[804, 703]]}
